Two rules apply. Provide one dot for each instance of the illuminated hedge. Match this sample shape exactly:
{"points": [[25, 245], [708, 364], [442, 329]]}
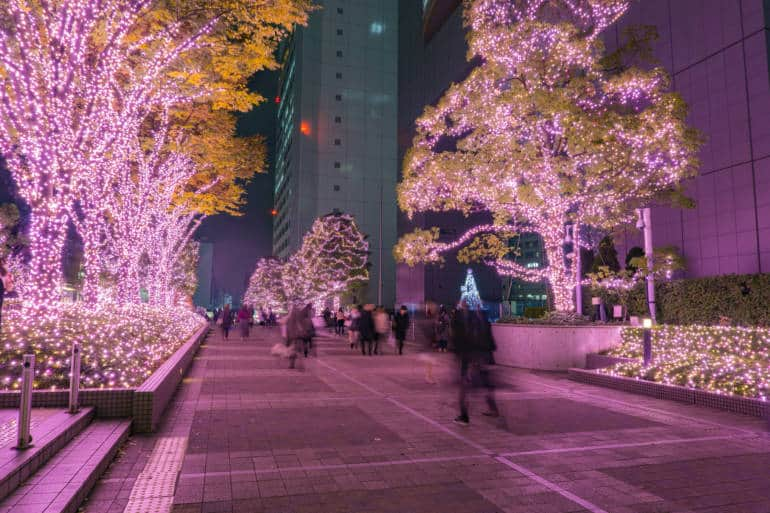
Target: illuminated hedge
{"points": [[120, 346], [726, 360]]}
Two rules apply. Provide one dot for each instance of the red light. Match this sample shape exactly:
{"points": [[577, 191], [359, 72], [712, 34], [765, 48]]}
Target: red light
{"points": [[274, 212], [277, 99], [304, 127]]}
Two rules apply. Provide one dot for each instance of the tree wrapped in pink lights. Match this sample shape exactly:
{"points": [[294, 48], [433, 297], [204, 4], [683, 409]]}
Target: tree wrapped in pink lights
{"points": [[265, 288], [548, 131], [333, 257], [332, 261]]}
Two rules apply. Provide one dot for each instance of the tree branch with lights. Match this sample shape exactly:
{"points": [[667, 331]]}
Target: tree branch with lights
{"points": [[544, 133]]}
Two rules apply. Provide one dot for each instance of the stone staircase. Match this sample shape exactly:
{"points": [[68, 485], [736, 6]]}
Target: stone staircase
{"points": [[69, 453]]}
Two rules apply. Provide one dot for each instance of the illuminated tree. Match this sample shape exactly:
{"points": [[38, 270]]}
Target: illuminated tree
{"points": [[333, 257], [547, 131], [470, 292], [265, 288]]}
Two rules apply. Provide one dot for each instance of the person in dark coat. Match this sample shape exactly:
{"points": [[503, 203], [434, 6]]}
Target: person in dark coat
{"points": [[227, 320], [463, 346], [366, 329], [401, 322]]}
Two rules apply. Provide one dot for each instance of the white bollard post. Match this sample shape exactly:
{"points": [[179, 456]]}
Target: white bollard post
{"points": [[74, 378], [24, 438]]}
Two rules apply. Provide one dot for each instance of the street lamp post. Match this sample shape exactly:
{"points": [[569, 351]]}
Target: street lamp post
{"points": [[644, 223]]}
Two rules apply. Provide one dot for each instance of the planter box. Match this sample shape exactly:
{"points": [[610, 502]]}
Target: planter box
{"points": [[736, 404], [151, 398], [145, 404], [532, 346]]}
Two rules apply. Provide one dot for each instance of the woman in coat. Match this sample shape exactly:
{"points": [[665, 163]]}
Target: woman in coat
{"points": [[401, 326]]}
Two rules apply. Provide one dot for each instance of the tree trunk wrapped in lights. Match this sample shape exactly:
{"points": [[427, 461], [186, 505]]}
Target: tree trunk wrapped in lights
{"points": [[547, 131]]}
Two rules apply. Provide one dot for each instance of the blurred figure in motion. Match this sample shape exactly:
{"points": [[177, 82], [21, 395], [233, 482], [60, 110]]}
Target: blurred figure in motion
{"points": [[244, 318], [401, 325], [474, 346], [227, 321], [381, 327], [441, 329], [308, 330], [366, 329], [340, 318], [353, 322]]}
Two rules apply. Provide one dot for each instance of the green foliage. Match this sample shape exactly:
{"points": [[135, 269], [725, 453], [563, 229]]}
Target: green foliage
{"points": [[608, 255], [534, 312], [706, 301]]}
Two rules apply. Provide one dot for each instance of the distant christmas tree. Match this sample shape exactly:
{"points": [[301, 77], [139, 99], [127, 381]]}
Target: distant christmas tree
{"points": [[470, 293]]}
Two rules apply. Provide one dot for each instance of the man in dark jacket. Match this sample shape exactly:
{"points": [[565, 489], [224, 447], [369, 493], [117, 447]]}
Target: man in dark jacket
{"points": [[473, 345], [366, 329], [401, 326]]}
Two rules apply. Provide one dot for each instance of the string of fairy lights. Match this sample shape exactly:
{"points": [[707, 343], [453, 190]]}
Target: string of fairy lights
{"points": [[542, 136], [722, 359]]}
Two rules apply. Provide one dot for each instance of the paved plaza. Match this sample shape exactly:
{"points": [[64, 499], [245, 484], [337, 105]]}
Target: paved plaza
{"points": [[358, 434]]}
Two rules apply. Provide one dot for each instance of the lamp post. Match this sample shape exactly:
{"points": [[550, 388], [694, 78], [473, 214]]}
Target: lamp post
{"points": [[647, 341], [575, 241], [644, 223]]}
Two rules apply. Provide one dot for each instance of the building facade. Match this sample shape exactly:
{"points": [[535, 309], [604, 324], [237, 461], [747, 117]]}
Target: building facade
{"points": [[336, 131], [716, 53]]}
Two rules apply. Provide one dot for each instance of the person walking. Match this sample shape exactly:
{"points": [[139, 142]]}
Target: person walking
{"points": [[340, 317], [462, 344], [381, 327], [227, 321], [366, 329], [244, 318], [308, 330], [353, 324], [441, 329], [294, 334], [484, 358], [401, 325]]}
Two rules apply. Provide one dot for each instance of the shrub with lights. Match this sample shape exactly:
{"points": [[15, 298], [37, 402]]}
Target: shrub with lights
{"points": [[723, 359], [547, 131]]}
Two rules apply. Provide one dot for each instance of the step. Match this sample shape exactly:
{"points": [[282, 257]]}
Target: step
{"points": [[65, 481], [49, 435]]}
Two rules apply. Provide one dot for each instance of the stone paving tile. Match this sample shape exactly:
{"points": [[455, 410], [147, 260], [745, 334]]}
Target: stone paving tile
{"points": [[359, 434]]}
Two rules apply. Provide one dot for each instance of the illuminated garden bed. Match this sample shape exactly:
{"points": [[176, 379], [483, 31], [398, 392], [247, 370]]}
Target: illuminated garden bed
{"points": [[723, 360], [121, 346]]}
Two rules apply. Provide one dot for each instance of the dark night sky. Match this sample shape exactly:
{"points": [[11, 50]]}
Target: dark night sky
{"points": [[240, 241]]}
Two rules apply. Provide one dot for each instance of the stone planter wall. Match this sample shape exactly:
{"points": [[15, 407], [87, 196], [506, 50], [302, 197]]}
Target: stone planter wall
{"points": [[601, 361], [532, 346], [736, 404]]}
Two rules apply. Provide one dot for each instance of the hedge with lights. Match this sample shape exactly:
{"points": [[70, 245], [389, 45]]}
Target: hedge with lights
{"points": [[721, 359], [121, 346]]}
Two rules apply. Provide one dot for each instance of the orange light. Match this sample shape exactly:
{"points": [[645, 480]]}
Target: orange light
{"points": [[304, 127], [274, 212]]}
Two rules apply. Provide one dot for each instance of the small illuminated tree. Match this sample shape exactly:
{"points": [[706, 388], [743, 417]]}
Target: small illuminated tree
{"points": [[265, 288], [547, 131]]}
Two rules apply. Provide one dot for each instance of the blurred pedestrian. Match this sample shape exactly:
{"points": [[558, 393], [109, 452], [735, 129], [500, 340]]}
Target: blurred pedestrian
{"points": [[354, 319], [340, 317], [462, 345], [366, 329], [294, 334], [308, 330], [401, 325], [441, 329], [244, 318], [227, 321], [381, 327]]}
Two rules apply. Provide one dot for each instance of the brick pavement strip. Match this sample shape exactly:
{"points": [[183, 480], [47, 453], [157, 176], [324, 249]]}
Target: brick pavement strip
{"points": [[359, 434]]}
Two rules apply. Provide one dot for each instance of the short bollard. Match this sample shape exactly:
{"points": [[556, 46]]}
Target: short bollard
{"points": [[647, 341], [75, 378], [24, 440]]}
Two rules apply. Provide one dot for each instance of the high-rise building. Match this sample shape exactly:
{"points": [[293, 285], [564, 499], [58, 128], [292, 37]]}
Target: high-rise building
{"points": [[716, 53], [336, 130]]}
